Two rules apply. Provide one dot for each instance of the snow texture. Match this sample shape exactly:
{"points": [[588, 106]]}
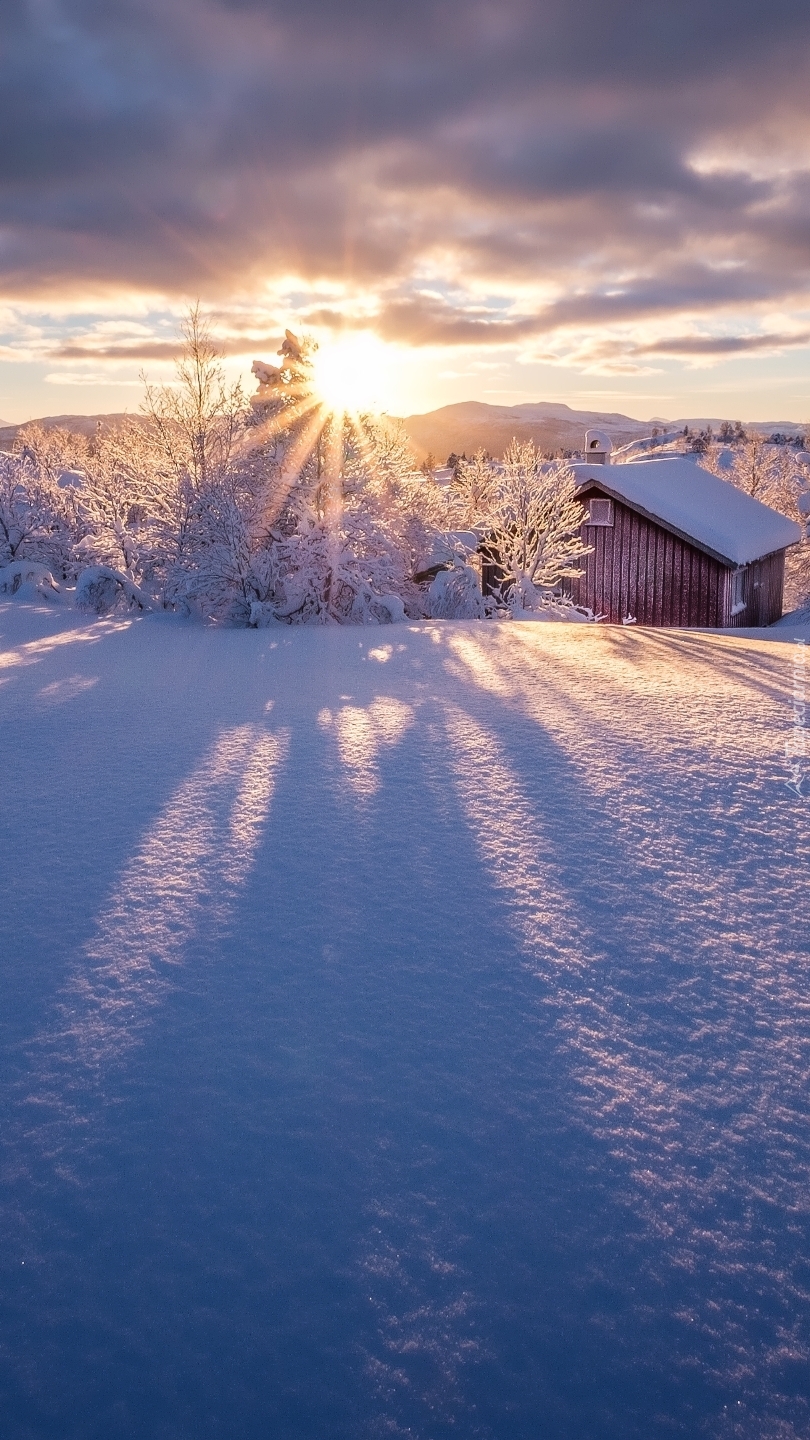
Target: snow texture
{"points": [[712, 513], [404, 1033], [555, 608]]}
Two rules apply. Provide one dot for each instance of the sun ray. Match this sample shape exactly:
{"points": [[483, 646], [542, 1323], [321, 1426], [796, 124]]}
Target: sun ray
{"points": [[303, 444], [334, 461], [282, 420], [318, 403], [365, 444]]}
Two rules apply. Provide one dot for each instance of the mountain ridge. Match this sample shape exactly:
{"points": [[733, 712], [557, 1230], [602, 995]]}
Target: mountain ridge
{"points": [[470, 425]]}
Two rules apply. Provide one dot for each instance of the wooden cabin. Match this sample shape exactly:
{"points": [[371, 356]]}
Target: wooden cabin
{"points": [[674, 545]]}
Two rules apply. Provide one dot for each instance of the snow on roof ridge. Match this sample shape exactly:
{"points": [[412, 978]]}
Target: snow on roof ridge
{"points": [[712, 513]]}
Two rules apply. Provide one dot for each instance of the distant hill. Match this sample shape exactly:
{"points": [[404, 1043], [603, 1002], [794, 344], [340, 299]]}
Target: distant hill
{"points": [[473, 425], [80, 424]]}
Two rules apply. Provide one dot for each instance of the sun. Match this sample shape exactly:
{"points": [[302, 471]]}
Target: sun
{"points": [[351, 374]]}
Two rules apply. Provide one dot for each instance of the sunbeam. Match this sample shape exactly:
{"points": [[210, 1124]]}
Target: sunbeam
{"points": [[183, 878]]}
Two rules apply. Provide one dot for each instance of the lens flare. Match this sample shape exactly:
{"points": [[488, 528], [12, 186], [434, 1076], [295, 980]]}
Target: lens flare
{"points": [[351, 374]]}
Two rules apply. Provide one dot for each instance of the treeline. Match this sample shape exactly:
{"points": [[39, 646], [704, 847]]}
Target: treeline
{"points": [[734, 433], [272, 509]]}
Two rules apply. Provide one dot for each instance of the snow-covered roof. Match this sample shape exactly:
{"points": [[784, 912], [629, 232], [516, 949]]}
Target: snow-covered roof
{"points": [[712, 514]]}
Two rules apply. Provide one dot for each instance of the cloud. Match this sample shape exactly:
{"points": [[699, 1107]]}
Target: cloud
{"points": [[699, 345], [465, 173], [163, 350], [83, 379]]}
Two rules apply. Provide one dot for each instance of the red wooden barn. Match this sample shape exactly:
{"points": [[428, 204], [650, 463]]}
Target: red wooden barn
{"points": [[673, 545]]}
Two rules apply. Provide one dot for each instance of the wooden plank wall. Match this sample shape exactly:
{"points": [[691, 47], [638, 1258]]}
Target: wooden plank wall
{"points": [[764, 588], [639, 569]]}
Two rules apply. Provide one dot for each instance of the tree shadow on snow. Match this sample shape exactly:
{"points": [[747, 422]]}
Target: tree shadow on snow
{"points": [[455, 1122]]}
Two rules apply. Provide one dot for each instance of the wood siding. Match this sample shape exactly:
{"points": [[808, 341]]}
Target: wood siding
{"points": [[764, 587], [639, 569]]}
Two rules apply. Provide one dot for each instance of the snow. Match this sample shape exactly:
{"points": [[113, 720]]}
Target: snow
{"points": [[71, 479], [712, 513], [446, 548], [404, 1032]]}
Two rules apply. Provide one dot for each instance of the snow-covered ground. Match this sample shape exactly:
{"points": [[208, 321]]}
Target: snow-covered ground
{"points": [[405, 1032]]}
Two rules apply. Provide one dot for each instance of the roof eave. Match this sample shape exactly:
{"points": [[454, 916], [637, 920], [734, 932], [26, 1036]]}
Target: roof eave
{"points": [[681, 534]]}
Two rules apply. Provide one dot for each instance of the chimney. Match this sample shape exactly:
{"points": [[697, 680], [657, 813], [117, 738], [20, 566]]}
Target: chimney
{"points": [[597, 447]]}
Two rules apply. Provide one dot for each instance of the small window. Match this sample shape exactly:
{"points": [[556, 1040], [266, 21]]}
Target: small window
{"points": [[739, 590], [600, 512]]}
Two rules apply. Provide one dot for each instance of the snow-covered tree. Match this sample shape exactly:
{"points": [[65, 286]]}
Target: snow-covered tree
{"points": [[277, 510], [778, 476], [473, 491], [344, 548], [116, 502], [771, 473], [196, 429], [31, 526], [345, 512], [199, 419], [763, 470], [530, 520]]}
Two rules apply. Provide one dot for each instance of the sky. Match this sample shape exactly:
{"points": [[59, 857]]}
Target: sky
{"points": [[599, 202]]}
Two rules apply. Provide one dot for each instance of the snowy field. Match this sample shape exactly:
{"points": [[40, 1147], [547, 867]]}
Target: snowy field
{"points": [[405, 1032]]}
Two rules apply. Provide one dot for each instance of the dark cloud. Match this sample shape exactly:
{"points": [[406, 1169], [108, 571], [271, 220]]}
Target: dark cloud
{"points": [[637, 160], [696, 345]]}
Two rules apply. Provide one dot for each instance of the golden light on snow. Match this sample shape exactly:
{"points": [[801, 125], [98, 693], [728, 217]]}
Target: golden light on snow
{"points": [[360, 735], [352, 374]]}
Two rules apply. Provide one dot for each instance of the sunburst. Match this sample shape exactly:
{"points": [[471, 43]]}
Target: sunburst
{"points": [[330, 394], [350, 374]]}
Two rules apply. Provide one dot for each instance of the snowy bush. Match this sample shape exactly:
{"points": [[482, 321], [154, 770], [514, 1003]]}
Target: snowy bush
{"points": [[31, 520], [102, 589], [341, 574], [456, 595], [28, 580]]}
